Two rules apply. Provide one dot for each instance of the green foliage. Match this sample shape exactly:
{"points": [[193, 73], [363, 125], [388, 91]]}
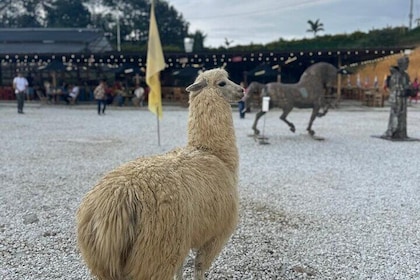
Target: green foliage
{"points": [[22, 13], [134, 18], [67, 13], [172, 27], [199, 38], [411, 37], [387, 37], [134, 22]]}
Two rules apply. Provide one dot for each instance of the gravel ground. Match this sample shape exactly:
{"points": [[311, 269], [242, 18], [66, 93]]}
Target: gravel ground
{"points": [[344, 208]]}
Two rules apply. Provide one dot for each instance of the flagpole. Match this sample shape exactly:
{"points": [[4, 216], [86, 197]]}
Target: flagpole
{"points": [[158, 127], [154, 64]]}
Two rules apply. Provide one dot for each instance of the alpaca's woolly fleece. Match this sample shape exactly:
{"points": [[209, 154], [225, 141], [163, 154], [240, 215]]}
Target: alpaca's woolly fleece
{"points": [[142, 219]]}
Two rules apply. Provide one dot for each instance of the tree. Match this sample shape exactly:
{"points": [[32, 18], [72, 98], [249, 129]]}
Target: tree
{"points": [[228, 42], [134, 24], [199, 38], [44, 13], [132, 17], [22, 13], [67, 13], [172, 27], [315, 26]]}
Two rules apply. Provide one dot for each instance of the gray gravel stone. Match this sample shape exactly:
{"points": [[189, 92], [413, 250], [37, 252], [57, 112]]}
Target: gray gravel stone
{"points": [[30, 219], [344, 208]]}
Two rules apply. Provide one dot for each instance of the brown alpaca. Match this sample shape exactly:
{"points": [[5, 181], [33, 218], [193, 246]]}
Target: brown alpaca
{"points": [[142, 219]]}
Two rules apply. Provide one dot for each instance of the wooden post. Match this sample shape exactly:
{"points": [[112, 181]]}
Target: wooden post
{"points": [[53, 79], [339, 80], [137, 80]]}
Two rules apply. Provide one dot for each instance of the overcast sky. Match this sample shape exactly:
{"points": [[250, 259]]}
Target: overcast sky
{"points": [[264, 21]]}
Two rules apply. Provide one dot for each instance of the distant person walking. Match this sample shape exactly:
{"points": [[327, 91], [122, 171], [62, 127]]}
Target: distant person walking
{"points": [[30, 91], [139, 95], [415, 90], [100, 96], [20, 85], [241, 105]]}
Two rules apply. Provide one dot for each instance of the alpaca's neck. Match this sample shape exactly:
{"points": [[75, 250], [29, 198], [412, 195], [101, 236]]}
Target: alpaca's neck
{"points": [[210, 127]]}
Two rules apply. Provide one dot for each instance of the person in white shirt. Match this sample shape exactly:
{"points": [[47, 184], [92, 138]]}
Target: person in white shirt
{"points": [[20, 84], [72, 95], [139, 96]]}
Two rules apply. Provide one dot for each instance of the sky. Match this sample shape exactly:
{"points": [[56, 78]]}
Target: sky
{"points": [[242, 22]]}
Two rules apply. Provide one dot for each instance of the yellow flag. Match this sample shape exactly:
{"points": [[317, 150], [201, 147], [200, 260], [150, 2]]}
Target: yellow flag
{"points": [[155, 63]]}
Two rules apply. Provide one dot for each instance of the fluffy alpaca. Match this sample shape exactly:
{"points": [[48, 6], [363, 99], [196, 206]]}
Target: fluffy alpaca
{"points": [[142, 219]]}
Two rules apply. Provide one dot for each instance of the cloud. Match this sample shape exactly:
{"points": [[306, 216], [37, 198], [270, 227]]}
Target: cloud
{"points": [[260, 22]]}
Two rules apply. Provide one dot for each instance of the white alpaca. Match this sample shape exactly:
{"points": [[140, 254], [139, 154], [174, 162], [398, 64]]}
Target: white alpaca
{"points": [[142, 219]]}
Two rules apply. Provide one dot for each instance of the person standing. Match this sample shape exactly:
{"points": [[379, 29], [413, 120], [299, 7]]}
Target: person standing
{"points": [[118, 92], [100, 96], [20, 85], [415, 86], [71, 97], [241, 108], [241, 104], [139, 94], [30, 91]]}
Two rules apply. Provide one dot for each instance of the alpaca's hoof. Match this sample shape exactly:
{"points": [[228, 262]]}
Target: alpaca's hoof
{"points": [[292, 129]]}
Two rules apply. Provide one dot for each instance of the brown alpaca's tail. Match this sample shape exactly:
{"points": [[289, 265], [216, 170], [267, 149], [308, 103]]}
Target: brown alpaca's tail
{"points": [[106, 232]]}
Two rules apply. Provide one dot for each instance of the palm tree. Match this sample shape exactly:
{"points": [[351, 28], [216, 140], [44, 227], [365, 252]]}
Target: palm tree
{"points": [[315, 26], [228, 42]]}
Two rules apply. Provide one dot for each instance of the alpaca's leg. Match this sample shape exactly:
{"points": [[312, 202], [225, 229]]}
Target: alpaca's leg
{"points": [[283, 117], [254, 126], [205, 256]]}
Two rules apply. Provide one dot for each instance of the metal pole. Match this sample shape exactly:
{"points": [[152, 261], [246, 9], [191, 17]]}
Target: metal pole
{"points": [[410, 15], [158, 128], [118, 32]]}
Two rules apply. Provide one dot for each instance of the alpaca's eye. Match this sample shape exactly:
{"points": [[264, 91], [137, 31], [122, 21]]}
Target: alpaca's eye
{"points": [[222, 84]]}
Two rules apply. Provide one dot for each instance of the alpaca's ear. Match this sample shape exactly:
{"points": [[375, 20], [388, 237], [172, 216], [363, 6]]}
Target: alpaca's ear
{"points": [[197, 86]]}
